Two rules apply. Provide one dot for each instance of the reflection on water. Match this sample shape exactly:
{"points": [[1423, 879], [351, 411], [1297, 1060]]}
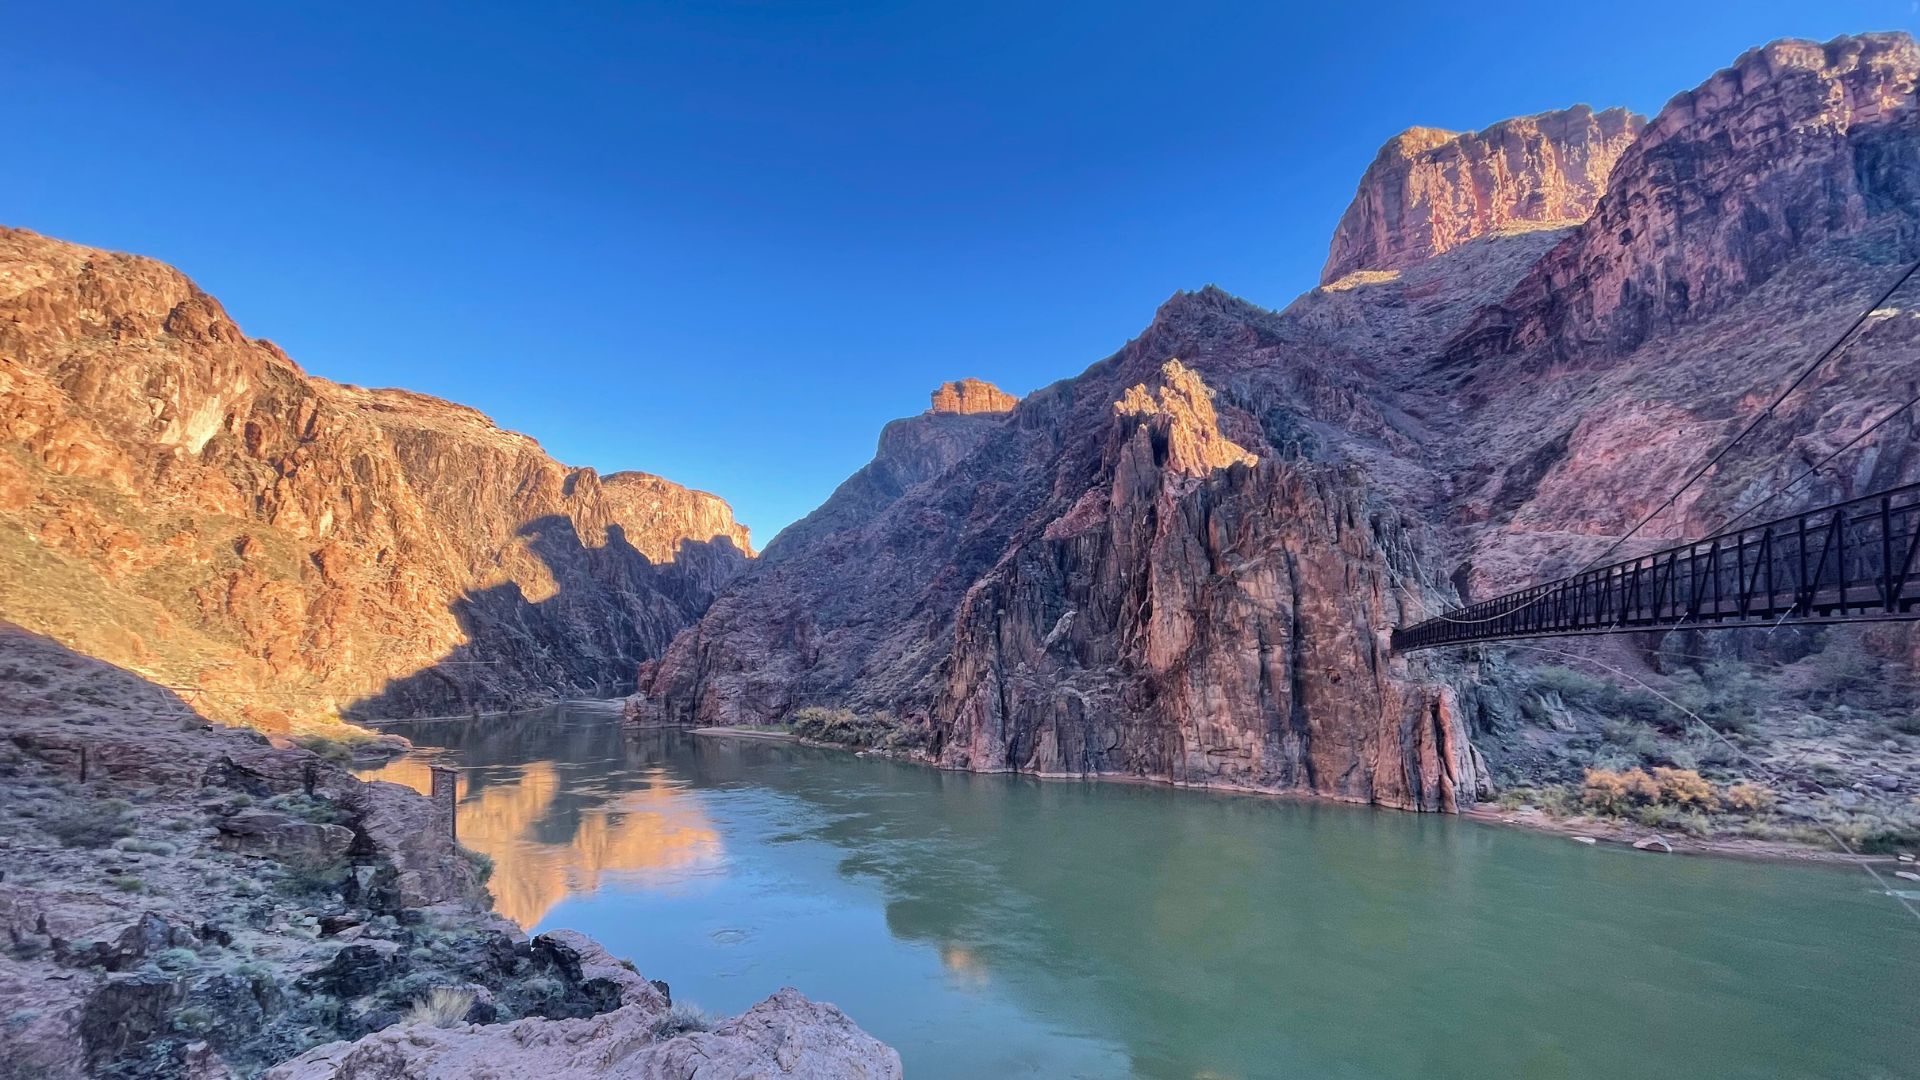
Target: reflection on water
{"points": [[1002, 926], [558, 828]]}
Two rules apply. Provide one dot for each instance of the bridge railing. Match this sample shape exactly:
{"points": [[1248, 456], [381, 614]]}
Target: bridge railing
{"points": [[1850, 561]]}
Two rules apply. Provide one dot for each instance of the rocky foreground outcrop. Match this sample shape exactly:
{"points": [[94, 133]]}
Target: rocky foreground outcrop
{"points": [[180, 899], [785, 1035], [1182, 563], [183, 500]]}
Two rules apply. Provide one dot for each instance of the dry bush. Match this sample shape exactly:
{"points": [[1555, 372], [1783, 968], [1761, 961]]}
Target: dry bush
{"points": [[443, 1007], [1615, 792], [1749, 798], [1685, 788]]}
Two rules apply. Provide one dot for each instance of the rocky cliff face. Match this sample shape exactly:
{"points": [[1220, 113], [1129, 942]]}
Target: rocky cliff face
{"points": [[183, 500], [1160, 568], [1430, 191], [1180, 563], [1796, 144]]}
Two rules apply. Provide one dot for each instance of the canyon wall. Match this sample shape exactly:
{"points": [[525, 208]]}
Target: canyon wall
{"points": [[1181, 563], [1430, 191], [184, 501]]}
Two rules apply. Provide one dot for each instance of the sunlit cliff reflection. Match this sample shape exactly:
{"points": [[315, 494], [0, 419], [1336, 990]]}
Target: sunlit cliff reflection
{"points": [[550, 838]]}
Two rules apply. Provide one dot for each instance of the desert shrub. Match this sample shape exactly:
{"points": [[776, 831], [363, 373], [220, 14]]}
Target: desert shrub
{"points": [[145, 847], [679, 1020], [1672, 818], [1685, 788], [90, 825], [1617, 792], [129, 883], [1725, 695], [330, 750], [482, 864], [1889, 840], [1906, 723], [1749, 798], [1609, 700], [444, 1006], [844, 727], [177, 959], [193, 1020], [307, 880], [310, 808]]}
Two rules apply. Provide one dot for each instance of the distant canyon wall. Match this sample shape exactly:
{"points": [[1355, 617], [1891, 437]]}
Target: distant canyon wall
{"points": [[182, 500]]}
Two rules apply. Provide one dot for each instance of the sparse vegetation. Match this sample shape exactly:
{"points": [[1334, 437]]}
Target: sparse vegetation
{"points": [[481, 862], [679, 1020], [443, 1007], [332, 750], [90, 824], [844, 727], [1750, 798]]}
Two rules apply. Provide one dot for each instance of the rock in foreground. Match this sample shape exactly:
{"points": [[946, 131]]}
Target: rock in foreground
{"points": [[785, 1035]]}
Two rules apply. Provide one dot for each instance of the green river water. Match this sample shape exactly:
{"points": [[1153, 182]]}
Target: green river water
{"points": [[1003, 926]]}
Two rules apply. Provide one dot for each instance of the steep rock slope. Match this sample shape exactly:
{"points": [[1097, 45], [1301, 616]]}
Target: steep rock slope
{"points": [[184, 501], [1746, 230], [1182, 569], [912, 450], [1429, 190], [1161, 568]]}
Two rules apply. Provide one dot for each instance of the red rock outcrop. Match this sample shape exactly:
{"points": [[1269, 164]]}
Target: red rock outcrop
{"points": [[1430, 191], [970, 396], [183, 500]]}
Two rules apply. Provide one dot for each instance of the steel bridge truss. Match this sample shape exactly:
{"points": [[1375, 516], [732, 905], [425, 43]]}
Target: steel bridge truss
{"points": [[1848, 562]]}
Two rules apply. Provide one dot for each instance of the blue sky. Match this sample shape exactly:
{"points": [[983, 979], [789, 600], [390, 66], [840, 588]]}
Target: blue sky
{"points": [[725, 242]]}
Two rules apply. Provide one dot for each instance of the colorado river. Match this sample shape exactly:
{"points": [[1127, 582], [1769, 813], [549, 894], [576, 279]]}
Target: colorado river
{"points": [[992, 926]]}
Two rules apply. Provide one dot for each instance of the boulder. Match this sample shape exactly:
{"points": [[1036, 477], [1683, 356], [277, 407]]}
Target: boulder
{"points": [[271, 834], [786, 1036]]}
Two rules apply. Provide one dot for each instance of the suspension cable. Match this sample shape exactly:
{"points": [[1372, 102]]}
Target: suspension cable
{"points": [[1826, 354]]}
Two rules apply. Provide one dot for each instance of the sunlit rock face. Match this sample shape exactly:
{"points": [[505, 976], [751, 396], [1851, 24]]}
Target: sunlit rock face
{"points": [[1429, 191], [184, 501], [970, 396], [1181, 563]]}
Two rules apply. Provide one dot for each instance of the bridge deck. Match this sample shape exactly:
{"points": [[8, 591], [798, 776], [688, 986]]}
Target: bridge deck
{"points": [[1848, 562]]}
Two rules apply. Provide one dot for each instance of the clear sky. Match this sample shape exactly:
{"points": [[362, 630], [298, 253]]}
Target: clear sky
{"points": [[725, 242]]}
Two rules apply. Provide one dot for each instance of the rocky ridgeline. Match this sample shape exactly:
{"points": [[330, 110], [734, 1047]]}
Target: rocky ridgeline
{"points": [[1182, 564], [183, 500], [1430, 191], [1796, 144], [180, 899]]}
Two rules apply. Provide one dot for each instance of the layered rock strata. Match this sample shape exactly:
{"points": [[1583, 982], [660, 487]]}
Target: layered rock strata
{"points": [[183, 500]]}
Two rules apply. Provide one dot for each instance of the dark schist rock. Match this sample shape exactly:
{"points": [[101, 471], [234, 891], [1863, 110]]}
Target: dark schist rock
{"points": [[1183, 563]]}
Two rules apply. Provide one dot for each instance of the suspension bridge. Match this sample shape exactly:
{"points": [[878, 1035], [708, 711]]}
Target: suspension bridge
{"points": [[1853, 561]]}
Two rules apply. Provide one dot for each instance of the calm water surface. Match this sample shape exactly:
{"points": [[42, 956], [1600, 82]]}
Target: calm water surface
{"points": [[992, 926]]}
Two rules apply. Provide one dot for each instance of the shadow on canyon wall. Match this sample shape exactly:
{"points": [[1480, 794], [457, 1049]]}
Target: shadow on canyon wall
{"points": [[611, 608]]}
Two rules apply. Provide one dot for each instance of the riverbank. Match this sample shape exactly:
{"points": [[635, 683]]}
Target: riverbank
{"points": [[186, 899], [1600, 829]]}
